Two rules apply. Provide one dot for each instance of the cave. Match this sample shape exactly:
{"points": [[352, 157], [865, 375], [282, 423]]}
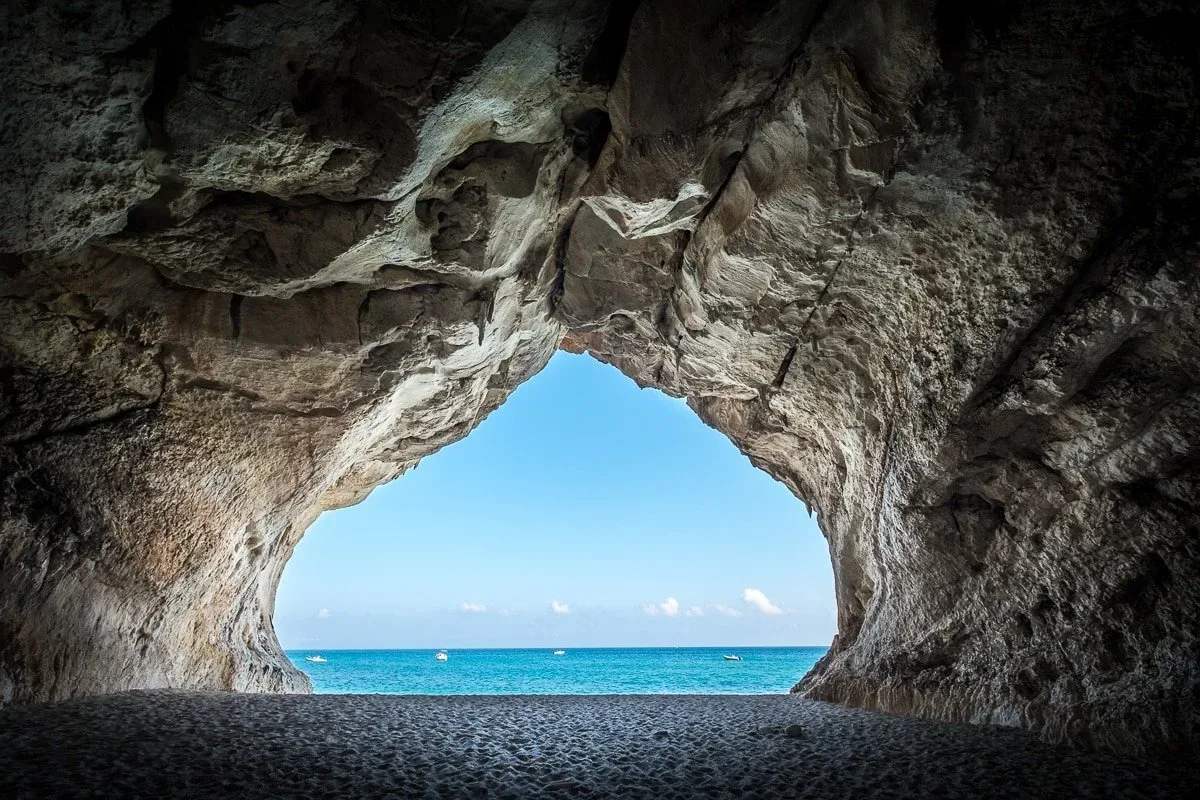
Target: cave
{"points": [[931, 265]]}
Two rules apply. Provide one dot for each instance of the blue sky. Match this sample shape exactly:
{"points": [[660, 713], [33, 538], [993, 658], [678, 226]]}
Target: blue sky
{"points": [[585, 512]]}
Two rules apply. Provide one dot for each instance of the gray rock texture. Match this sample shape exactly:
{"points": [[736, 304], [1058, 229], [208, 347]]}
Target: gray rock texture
{"points": [[931, 265]]}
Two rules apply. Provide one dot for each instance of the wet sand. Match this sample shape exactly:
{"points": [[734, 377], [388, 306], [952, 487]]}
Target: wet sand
{"points": [[189, 744]]}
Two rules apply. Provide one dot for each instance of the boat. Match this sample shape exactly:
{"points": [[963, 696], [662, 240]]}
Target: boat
{"points": [[560, 652], [732, 658], [316, 659], [441, 656]]}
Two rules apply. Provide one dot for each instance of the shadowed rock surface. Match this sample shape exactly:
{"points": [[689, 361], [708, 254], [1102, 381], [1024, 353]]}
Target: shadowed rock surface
{"points": [[172, 744], [931, 265]]}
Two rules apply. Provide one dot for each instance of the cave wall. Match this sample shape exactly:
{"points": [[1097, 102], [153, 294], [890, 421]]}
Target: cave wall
{"points": [[931, 265], [935, 270], [318, 265]]}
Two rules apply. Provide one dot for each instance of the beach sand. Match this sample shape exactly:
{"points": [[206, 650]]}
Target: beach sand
{"points": [[188, 744]]}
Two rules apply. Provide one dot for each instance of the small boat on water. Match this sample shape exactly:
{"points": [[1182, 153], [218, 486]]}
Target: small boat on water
{"points": [[560, 652], [732, 658], [441, 656], [316, 659]]}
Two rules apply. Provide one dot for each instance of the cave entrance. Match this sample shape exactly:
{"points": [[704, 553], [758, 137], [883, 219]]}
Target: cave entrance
{"points": [[584, 513]]}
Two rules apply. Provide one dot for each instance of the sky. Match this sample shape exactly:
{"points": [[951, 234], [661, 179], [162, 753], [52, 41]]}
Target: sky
{"points": [[584, 512]]}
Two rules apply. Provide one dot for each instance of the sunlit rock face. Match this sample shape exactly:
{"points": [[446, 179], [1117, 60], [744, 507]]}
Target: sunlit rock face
{"points": [[264, 258], [936, 272], [933, 266]]}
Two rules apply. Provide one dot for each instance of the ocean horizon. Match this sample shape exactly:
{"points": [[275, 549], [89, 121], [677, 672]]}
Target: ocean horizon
{"points": [[578, 671]]}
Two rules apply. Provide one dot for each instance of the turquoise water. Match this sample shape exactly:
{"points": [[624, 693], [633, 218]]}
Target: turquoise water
{"points": [[642, 670]]}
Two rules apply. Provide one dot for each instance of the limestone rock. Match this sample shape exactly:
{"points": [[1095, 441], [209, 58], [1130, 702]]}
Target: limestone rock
{"points": [[931, 265]]}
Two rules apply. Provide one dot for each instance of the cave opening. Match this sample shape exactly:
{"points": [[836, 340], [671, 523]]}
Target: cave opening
{"points": [[586, 514]]}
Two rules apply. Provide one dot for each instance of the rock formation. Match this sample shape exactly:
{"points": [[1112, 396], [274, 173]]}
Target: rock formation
{"points": [[932, 265]]}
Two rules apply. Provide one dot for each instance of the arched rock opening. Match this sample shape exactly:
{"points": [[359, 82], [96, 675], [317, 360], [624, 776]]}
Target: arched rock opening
{"points": [[932, 266]]}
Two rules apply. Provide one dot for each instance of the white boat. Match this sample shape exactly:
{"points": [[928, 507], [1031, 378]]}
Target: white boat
{"points": [[560, 652], [732, 658], [316, 659], [441, 656]]}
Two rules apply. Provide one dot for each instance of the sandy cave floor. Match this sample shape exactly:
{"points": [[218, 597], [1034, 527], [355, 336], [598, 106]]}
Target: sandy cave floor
{"points": [[188, 744]]}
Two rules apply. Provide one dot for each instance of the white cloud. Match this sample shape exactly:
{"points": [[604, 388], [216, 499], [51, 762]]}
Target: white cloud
{"points": [[324, 614], [560, 608], [759, 600], [726, 610], [668, 607], [475, 608], [694, 611]]}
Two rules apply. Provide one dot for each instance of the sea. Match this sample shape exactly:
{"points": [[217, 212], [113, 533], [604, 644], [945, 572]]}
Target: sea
{"points": [[609, 670]]}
